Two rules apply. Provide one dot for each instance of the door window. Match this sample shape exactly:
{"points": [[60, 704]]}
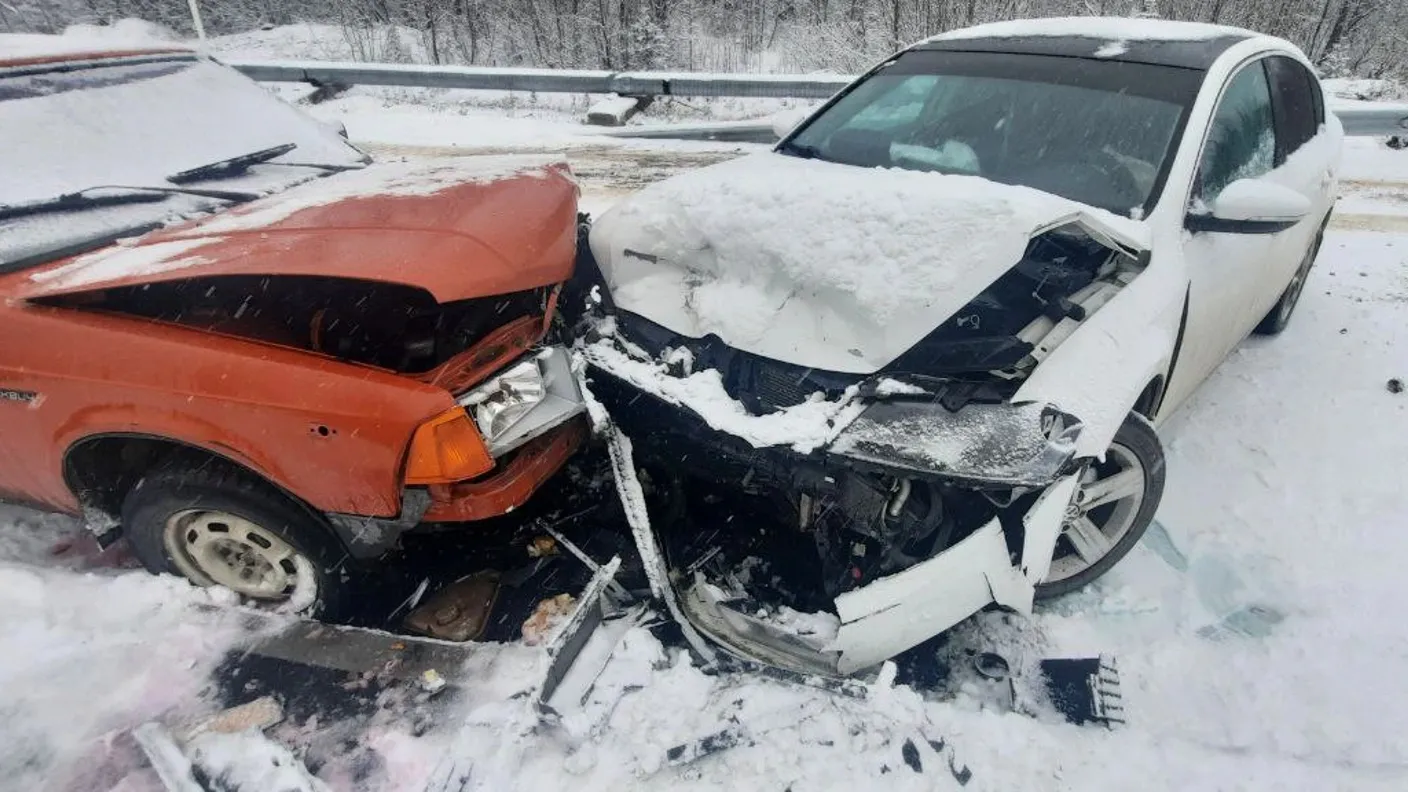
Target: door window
{"points": [[1298, 113], [1241, 142]]}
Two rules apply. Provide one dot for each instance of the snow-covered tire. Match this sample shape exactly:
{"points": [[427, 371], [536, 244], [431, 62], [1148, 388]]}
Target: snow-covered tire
{"points": [[1279, 316], [215, 524], [1136, 445]]}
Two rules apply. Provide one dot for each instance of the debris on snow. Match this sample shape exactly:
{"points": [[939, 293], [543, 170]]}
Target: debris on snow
{"points": [[549, 613], [248, 761]]}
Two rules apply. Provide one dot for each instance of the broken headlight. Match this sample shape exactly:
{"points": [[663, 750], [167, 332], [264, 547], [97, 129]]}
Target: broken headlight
{"points": [[505, 398]]}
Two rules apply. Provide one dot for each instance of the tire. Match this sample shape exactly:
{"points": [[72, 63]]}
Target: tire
{"points": [[1136, 443], [173, 520], [1280, 314]]}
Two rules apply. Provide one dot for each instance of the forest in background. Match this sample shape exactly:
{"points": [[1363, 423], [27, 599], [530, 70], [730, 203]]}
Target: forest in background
{"points": [[1365, 38]]}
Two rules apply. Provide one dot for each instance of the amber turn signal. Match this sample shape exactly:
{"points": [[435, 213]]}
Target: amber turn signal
{"points": [[446, 449]]}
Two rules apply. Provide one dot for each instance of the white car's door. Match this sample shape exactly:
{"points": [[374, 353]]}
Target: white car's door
{"points": [[1308, 169], [1229, 272]]}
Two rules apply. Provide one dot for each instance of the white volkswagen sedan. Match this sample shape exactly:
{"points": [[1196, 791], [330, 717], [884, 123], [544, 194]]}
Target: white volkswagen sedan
{"points": [[908, 364]]}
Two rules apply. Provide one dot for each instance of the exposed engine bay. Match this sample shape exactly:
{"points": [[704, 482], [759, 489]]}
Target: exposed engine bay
{"points": [[387, 325]]}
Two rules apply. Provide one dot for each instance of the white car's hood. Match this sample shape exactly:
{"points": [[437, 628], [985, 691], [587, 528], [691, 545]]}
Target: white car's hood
{"points": [[818, 264]]}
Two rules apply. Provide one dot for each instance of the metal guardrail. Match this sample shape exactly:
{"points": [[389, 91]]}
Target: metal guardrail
{"points": [[1373, 120], [1359, 118], [545, 80]]}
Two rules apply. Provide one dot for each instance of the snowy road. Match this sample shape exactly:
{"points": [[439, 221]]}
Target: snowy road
{"points": [[1259, 633]]}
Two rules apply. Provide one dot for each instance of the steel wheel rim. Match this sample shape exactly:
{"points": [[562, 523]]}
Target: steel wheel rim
{"points": [[218, 548], [1101, 514]]}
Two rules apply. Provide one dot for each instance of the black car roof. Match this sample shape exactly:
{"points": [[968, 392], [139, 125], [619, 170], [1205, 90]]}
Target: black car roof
{"points": [[1199, 54]]}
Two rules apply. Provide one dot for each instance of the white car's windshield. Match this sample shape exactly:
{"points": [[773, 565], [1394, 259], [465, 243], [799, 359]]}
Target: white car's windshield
{"points": [[77, 140], [1094, 131]]}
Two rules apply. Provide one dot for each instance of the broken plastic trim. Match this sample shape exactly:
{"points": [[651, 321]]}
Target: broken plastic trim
{"points": [[998, 445]]}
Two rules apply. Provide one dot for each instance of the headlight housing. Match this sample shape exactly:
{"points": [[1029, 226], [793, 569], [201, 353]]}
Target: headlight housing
{"points": [[502, 401]]}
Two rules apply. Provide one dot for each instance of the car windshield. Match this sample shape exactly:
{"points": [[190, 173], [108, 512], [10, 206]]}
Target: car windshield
{"points": [[1094, 131], [78, 127]]}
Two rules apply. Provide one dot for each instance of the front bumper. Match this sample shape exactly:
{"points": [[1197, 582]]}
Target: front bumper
{"points": [[1017, 449]]}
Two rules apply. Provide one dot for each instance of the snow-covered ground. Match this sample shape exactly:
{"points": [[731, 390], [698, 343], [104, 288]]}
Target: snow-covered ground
{"points": [[1257, 626]]}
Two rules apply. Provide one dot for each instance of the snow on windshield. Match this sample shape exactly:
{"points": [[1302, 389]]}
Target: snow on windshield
{"points": [[136, 124]]}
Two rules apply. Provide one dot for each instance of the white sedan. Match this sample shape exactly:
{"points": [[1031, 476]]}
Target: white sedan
{"points": [[908, 364]]}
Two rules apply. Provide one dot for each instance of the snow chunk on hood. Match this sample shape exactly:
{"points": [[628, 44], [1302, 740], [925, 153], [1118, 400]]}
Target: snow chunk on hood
{"points": [[819, 264], [804, 427]]}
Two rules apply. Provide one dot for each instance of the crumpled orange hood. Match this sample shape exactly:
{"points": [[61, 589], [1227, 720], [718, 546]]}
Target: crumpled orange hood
{"points": [[459, 229]]}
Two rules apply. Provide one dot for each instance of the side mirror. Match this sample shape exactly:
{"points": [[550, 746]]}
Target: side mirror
{"points": [[787, 120], [1251, 206]]}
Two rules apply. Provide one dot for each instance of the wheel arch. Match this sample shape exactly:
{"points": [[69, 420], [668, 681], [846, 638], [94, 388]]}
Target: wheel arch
{"points": [[101, 469], [1150, 398]]}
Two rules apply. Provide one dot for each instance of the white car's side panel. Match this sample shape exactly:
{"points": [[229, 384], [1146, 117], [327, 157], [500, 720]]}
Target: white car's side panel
{"points": [[1098, 373], [1232, 280]]}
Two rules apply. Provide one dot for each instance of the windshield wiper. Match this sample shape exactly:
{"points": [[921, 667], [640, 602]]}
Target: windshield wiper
{"points": [[801, 150], [83, 199], [232, 166]]}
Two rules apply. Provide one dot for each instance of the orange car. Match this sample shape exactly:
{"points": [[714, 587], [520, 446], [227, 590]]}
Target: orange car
{"points": [[226, 335]]}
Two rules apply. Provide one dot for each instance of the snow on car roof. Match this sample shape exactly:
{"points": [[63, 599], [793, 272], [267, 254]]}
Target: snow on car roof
{"points": [[1109, 28], [1189, 45]]}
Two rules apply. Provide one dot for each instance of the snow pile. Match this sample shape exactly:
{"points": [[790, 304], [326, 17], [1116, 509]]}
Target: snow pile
{"points": [[1365, 90], [804, 427], [92, 654], [815, 263], [250, 761], [124, 34]]}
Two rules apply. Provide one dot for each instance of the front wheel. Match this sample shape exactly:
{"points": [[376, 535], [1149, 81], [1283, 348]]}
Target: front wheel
{"points": [[1280, 315], [1112, 507], [215, 525]]}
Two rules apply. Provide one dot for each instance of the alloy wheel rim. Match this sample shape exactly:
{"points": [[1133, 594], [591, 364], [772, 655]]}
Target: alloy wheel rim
{"points": [[1101, 513], [218, 548]]}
